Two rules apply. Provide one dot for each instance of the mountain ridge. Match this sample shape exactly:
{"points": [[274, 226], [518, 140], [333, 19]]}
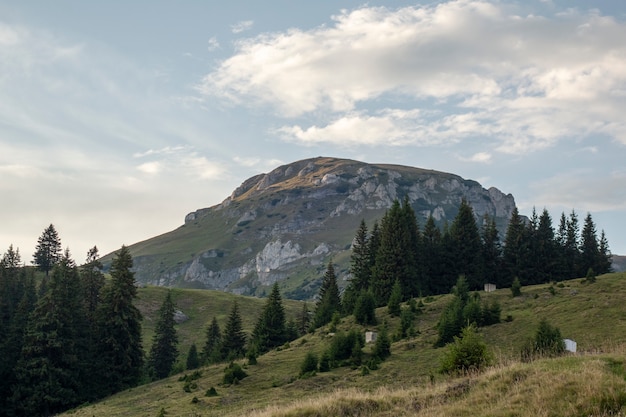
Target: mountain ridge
{"points": [[286, 224]]}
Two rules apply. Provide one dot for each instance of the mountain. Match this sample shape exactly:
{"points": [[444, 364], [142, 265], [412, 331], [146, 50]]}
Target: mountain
{"points": [[287, 224]]}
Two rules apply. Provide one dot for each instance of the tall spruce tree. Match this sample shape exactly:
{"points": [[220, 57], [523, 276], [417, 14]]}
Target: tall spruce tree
{"points": [[92, 280], [329, 300], [48, 250], [514, 246], [467, 245], [589, 247], [164, 350], [604, 260], [491, 252], [572, 245], [360, 269], [432, 258], [270, 331], [50, 374], [120, 350], [212, 351], [234, 340], [546, 248]]}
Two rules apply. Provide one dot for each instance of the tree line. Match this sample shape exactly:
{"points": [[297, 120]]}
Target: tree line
{"points": [[70, 338], [429, 260]]}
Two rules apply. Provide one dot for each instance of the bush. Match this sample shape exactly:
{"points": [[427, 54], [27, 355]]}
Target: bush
{"points": [[516, 288], [325, 362], [591, 276], [382, 348], [547, 343], [342, 346], [309, 365], [365, 309], [468, 352], [211, 392], [233, 374]]}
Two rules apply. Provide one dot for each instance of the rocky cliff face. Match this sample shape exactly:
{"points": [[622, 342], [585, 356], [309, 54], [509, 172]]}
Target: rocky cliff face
{"points": [[285, 225]]}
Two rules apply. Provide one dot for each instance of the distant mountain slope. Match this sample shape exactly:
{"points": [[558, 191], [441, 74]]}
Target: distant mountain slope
{"points": [[285, 225]]}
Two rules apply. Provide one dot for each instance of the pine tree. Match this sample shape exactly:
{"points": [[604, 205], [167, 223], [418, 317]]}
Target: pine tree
{"points": [[432, 258], [164, 348], [234, 340], [572, 252], [390, 257], [604, 260], [49, 374], [193, 361], [270, 329], [329, 301], [589, 247], [467, 245], [546, 249], [212, 351], [393, 306], [491, 252], [120, 350], [360, 260], [48, 250], [304, 320], [92, 280], [514, 246], [365, 308]]}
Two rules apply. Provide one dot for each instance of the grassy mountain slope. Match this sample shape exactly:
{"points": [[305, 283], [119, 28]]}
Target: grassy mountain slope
{"points": [[589, 383]]}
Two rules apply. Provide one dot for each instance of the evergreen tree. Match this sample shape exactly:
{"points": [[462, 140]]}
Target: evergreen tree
{"points": [[304, 320], [514, 246], [546, 249], [120, 350], [365, 308], [92, 280], [329, 300], [270, 329], [382, 346], [393, 306], [491, 252], [164, 348], [410, 278], [49, 374], [432, 258], [589, 247], [234, 340], [193, 361], [212, 352], [467, 245], [572, 253], [360, 260], [48, 250], [604, 260]]}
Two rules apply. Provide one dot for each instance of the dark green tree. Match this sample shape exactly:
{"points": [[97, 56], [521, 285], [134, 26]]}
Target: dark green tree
{"points": [[193, 361], [304, 320], [513, 253], [468, 352], [270, 329], [382, 346], [309, 365], [572, 251], [365, 308], [491, 253], [547, 342], [431, 260], [516, 288], [50, 374], [591, 249], [92, 280], [329, 300], [164, 350], [48, 250], [395, 298], [467, 245], [234, 339], [360, 269], [604, 260], [212, 351], [120, 351]]}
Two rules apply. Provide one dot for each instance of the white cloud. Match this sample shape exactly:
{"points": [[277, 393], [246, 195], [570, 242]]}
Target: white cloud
{"points": [[246, 162], [242, 26], [479, 157], [213, 44], [150, 168], [526, 80]]}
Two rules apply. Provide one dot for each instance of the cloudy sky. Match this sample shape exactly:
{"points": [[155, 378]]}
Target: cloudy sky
{"points": [[118, 118]]}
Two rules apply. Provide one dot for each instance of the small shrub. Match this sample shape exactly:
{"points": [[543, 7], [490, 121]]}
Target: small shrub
{"points": [[365, 370], [552, 290], [382, 347], [547, 342], [211, 392], [591, 276], [325, 362], [195, 400], [162, 412], [309, 365], [509, 318], [233, 374], [516, 288], [468, 352]]}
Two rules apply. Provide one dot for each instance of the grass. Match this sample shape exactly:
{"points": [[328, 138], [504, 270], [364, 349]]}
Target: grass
{"points": [[590, 383]]}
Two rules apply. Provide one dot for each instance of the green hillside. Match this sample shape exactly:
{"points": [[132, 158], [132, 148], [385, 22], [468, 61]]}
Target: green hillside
{"points": [[589, 383]]}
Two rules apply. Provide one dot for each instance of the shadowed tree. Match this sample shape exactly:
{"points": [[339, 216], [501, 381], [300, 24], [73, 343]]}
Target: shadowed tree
{"points": [[329, 301], [270, 331], [212, 351], [234, 340], [120, 350], [48, 250], [164, 348]]}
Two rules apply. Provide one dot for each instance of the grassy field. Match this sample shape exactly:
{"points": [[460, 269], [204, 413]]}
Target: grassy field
{"points": [[590, 383]]}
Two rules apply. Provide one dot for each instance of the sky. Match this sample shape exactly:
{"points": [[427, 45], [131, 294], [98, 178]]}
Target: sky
{"points": [[118, 118]]}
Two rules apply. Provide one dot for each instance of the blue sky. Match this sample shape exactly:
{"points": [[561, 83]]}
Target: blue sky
{"points": [[118, 118]]}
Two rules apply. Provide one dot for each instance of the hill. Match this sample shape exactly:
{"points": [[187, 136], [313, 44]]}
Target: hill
{"points": [[591, 382], [286, 224]]}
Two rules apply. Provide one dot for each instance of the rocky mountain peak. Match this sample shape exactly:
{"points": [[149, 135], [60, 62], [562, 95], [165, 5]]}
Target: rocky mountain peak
{"points": [[284, 225]]}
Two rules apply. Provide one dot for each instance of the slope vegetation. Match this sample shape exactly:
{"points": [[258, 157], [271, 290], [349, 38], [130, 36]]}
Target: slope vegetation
{"points": [[592, 382]]}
